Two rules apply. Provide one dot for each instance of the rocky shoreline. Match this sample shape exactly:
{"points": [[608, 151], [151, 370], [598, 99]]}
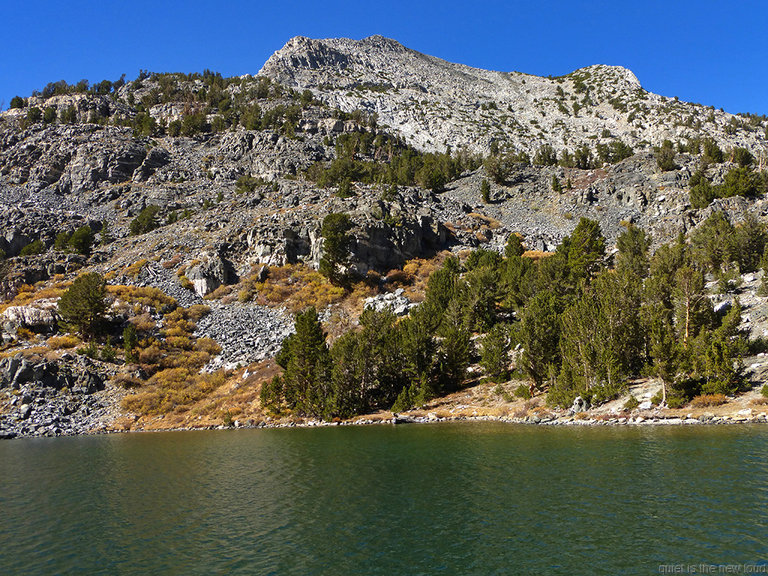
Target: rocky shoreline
{"points": [[59, 428]]}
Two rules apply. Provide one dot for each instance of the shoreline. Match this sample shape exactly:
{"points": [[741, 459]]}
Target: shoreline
{"points": [[579, 420]]}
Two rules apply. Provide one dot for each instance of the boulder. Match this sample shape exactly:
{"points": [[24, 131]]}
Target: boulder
{"points": [[212, 272], [579, 405], [39, 316]]}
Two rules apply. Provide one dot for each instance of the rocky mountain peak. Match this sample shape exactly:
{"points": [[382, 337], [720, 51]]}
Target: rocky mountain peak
{"points": [[435, 104], [618, 74]]}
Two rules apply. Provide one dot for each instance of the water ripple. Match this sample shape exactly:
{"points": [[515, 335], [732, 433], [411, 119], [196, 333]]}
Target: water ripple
{"points": [[438, 499]]}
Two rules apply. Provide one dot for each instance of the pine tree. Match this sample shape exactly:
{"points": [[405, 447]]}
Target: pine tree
{"points": [[366, 365], [712, 242], [130, 342], [601, 341], [306, 359], [84, 304], [485, 191], [586, 250], [692, 305], [633, 245], [82, 240], [336, 247], [494, 356], [539, 336], [454, 350]]}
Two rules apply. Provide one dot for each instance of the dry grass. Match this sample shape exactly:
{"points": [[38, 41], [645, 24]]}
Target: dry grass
{"points": [[63, 342], [24, 333], [27, 294], [487, 221], [174, 363], [418, 271], [143, 322], [145, 296], [707, 400], [295, 286], [536, 254], [172, 263], [186, 283], [133, 270], [169, 401], [173, 390], [220, 292]]}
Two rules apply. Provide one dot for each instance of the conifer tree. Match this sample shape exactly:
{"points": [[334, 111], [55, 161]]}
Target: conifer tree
{"points": [[306, 383], [586, 250], [494, 356], [539, 336], [633, 245], [454, 349], [84, 304], [337, 244]]}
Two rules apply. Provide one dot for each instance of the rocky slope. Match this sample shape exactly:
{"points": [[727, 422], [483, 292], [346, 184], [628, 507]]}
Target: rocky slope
{"points": [[228, 162], [436, 104]]}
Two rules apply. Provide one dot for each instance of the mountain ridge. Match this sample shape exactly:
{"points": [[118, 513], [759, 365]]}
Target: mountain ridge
{"points": [[435, 104]]}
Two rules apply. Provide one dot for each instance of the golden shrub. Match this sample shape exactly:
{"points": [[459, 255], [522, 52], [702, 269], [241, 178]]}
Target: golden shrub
{"points": [[143, 322], [150, 355], [181, 342], [24, 333], [61, 342], [135, 269], [207, 345], [197, 311], [705, 400]]}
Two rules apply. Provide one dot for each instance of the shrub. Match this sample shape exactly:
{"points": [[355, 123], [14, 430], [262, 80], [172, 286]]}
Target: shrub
{"points": [[34, 247], [631, 403], [665, 156], [68, 115], [34, 115], [743, 157], [145, 221], [24, 333], [485, 191], [523, 391], [108, 353], [90, 350], [705, 400], [247, 184], [17, 102], [82, 240], [49, 115], [62, 342], [62, 241], [676, 401], [130, 342], [126, 381], [712, 152]]}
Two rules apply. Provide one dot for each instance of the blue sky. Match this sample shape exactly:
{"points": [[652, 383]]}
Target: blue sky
{"points": [[715, 53]]}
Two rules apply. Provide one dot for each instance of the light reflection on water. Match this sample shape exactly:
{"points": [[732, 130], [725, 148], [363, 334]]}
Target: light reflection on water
{"points": [[446, 499]]}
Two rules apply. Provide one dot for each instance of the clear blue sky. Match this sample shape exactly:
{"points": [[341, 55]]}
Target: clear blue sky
{"points": [[715, 53]]}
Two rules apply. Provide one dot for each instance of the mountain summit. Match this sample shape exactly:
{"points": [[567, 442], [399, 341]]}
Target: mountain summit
{"points": [[435, 104]]}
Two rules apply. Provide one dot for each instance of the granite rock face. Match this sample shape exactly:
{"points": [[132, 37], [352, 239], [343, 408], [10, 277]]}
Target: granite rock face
{"points": [[436, 104]]}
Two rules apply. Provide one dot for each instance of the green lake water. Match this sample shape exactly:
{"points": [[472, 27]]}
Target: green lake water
{"points": [[465, 498]]}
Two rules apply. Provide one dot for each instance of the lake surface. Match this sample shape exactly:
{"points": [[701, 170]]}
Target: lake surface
{"points": [[464, 498]]}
